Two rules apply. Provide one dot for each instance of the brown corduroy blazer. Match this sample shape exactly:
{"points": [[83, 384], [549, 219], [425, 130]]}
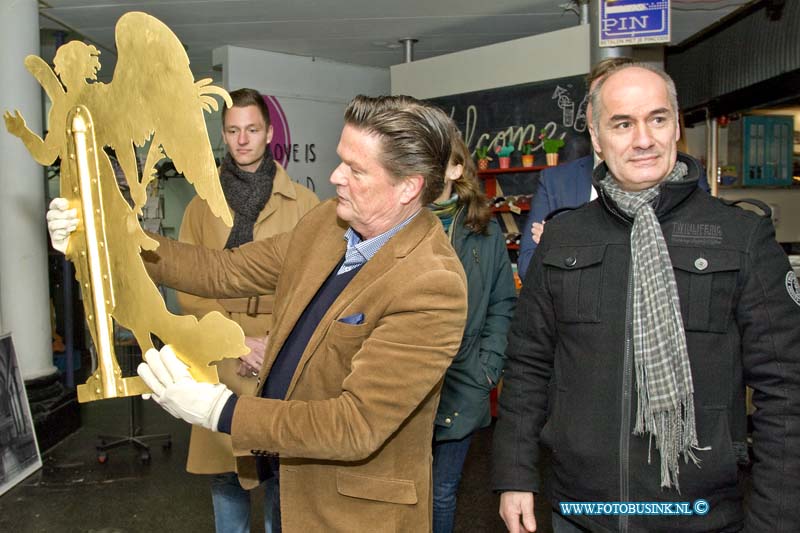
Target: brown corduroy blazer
{"points": [[354, 432]]}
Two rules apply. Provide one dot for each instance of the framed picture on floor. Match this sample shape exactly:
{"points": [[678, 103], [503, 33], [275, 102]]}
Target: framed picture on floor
{"points": [[19, 452]]}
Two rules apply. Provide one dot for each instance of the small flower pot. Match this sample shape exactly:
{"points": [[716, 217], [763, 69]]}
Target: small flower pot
{"points": [[527, 160], [505, 162], [483, 164], [552, 159]]}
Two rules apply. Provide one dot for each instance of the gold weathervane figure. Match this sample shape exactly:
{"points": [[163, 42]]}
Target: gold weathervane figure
{"points": [[152, 97]]}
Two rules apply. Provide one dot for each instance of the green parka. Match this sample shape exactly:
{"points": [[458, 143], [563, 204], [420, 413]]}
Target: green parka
{"points": [[478, 365]]}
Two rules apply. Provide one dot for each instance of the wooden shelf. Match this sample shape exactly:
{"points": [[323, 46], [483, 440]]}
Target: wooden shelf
{"points": [[489, 172], [489, 176]]}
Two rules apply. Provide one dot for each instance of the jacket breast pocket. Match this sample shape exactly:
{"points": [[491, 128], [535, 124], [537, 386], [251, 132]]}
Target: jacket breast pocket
{"points": [[575, 277], [344, 340], [707, 281], [366, 487]]}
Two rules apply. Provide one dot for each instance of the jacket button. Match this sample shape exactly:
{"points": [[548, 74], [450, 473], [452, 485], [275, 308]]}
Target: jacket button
{"points": [[448, 420], [701, 263], [570, 261]]}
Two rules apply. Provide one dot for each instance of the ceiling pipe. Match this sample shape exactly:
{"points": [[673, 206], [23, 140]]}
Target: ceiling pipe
{"points": [[584, 11], [408, 54]]}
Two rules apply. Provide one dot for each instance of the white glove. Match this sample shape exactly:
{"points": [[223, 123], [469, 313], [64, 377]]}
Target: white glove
{"points": [[61, 222], [178, 392]]}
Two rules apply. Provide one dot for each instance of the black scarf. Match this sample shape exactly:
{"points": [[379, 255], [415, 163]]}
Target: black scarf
{"points": [[246, 193]]}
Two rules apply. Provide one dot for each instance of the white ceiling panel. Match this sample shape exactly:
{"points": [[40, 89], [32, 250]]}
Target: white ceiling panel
{"points": [[363, 32]]}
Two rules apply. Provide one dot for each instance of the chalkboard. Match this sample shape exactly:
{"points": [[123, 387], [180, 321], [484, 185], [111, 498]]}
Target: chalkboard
{"points": [[518, 113]]}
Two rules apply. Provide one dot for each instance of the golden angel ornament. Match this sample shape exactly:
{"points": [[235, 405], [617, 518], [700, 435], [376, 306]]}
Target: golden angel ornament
{"points": [[152, 98]]}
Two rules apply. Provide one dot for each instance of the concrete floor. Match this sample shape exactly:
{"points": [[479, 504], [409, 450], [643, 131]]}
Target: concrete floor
{"points": [[73, 492]]}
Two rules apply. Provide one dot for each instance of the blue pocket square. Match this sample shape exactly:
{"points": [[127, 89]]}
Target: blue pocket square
{"points": [[355, 319]]}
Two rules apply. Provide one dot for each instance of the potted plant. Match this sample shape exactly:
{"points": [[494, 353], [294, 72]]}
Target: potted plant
{"points": [[551, 147], [504, 155], [482, 153], [527, 154]]}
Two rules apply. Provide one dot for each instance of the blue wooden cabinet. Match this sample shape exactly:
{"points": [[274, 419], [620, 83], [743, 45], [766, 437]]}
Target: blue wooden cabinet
{"points": [[766, 150]]}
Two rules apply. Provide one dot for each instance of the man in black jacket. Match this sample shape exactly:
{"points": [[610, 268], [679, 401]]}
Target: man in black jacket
{"points": [[644, 315]]}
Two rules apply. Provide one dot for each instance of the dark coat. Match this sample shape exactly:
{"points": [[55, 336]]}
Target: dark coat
{"points": [[478, 365], [561, 187], [566, 185], [569, 381]]}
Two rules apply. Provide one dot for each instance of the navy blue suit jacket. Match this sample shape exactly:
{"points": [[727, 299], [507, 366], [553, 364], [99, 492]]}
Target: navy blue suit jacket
{"points": [[567, 185]]}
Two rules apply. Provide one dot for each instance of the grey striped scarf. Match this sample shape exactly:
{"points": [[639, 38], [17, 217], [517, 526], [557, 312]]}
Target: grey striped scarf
{"points": [[665, 408]]}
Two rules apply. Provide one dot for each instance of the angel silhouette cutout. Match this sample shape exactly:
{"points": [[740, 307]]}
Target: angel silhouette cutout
{"points": [[152, 98]]}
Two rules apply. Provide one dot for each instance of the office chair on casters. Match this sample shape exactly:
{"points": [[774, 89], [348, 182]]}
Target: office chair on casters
{"points": [[128, 351]]}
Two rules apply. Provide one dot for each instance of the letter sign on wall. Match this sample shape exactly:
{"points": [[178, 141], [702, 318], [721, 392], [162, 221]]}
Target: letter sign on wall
{"points": [[631, 22]]}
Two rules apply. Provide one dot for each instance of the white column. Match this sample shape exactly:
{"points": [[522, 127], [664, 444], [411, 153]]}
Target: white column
{"points": [[24, 295]]}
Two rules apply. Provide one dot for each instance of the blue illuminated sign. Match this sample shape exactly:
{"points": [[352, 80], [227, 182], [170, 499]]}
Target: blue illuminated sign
{"points": [[630, 22]]}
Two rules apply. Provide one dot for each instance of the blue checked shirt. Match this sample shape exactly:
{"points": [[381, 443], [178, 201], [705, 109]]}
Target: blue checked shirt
{"points": [[359, 252]]}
